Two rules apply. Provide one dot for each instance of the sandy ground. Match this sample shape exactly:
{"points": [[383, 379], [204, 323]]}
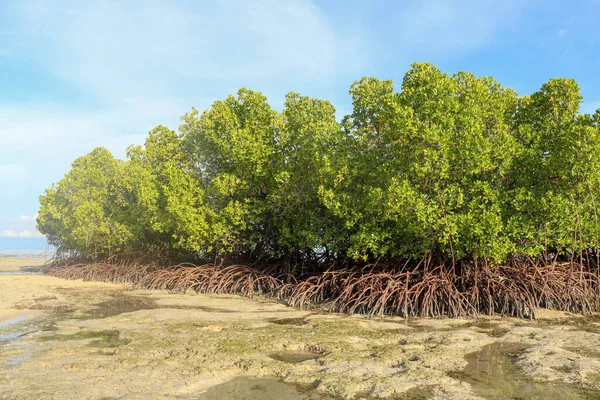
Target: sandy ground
{"points": [[22, 294], [103, 341], [13, 264]]}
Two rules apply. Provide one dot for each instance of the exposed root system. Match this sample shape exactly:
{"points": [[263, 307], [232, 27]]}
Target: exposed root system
{"points": [[418, 290]]}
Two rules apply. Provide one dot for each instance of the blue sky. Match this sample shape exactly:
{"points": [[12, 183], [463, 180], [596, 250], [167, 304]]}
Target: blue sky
{"points": [[79, 74]]}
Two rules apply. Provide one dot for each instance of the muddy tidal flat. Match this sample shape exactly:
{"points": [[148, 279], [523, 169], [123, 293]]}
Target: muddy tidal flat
{"points": [[85, 340]]}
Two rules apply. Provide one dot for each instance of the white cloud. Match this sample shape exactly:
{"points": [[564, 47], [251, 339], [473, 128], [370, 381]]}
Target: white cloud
{"points": [[109, 71], [21, 234], [23, 226], [152, 46], [143, 63], [30, 234], [122, 67], [146, 63], [561, 32], [45, 130], [440, 27]]}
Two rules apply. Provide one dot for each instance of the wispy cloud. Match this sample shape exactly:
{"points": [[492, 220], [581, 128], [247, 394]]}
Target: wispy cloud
{"points": [[41, 130], [23, 226], [155, 62], [151, 46], [21, 234], [89, 73], [434, 28], [110, 71]]}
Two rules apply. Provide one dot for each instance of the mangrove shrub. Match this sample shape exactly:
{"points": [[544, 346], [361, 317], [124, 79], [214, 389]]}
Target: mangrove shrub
{"points": [[453, 168]]}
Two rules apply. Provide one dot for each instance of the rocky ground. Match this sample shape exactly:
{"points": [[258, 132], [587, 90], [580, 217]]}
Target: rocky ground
{"points": [[76, 340]]}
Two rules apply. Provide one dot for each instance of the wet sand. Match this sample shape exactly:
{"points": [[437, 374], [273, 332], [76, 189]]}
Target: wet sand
{"points": [[15, 264], [22, 292], [75, 339]]}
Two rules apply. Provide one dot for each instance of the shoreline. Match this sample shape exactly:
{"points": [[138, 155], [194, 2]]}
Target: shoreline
{"points": [[11, 265], [17, 264]]}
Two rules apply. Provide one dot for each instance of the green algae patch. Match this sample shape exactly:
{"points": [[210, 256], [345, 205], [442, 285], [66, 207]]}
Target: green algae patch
{"points": [[293, 357], [290, 321], [251, 388], [103, 353], [421, 392], [493, 373], [120, 304], [102, 339], [586, 352]]}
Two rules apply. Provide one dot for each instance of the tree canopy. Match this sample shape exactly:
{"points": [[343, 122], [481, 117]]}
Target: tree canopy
{"points": [[454, 167]]}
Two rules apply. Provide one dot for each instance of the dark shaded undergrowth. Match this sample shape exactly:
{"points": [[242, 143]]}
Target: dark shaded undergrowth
{"points": [[411, 289]]}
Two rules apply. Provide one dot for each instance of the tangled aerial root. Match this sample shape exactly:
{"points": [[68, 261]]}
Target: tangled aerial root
{"points": [[515, 290]]}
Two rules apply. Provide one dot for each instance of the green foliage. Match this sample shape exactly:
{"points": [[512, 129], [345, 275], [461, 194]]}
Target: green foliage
{"points": [[425, 167], [162, 202], [231, 147], [554, 178], [309, 134], [454, 167], [78, 213]]}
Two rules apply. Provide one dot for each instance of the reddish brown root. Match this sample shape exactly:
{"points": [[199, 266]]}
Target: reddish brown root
{"points": [[516, 290]]}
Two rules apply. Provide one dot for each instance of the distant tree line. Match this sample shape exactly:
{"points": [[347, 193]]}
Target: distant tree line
{"points": [[452, 168]]}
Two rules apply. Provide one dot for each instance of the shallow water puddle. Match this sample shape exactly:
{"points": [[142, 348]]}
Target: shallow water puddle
{"points": [[421, 392], [22, 271], [493, 374], [588, 323], [18, 360], [293, 357], [13, 321], [489, 328], [250, 388], [11, 337], [121, 304], [8, 339], [199, 308], [290, 321], [583, 352], [102, 339]]}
